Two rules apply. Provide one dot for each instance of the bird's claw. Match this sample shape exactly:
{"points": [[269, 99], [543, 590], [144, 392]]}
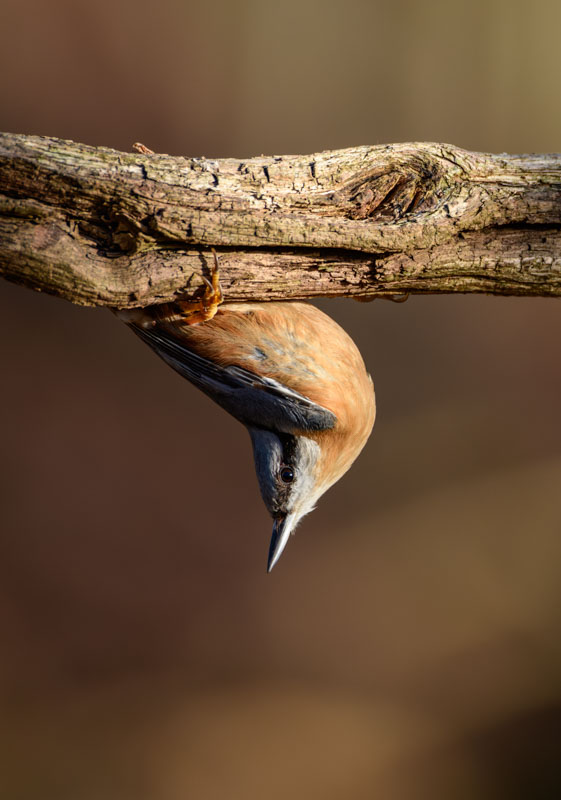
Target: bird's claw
{"points": [[204, 309]]}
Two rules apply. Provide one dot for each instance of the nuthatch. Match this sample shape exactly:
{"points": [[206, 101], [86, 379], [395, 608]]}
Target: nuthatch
{"points": [[288, 372]]}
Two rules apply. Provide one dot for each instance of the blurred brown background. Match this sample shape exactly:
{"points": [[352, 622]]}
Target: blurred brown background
{"points": [[407, 645]]}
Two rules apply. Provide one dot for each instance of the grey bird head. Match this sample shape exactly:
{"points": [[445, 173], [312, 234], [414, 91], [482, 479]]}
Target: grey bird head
{"points": [[286, 468]]}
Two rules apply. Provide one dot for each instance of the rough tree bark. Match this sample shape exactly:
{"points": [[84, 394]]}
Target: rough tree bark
{"points": [[100, 227]]}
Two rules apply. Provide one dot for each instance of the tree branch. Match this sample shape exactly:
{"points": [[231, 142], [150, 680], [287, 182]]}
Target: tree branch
{"points": [[100, 227]]}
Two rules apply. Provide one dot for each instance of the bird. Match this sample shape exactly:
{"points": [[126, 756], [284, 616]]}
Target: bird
{"points": [[288, 372]]}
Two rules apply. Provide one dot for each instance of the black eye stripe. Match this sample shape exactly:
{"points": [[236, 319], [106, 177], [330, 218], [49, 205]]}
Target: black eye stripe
{"points": [[289, 447]]}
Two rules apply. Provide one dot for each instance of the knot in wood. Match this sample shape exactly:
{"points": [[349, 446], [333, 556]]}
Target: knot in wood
{"points": [[415, 186]]}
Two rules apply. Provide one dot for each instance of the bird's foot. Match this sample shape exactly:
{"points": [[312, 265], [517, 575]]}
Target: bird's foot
{"points": [[206, 306]]}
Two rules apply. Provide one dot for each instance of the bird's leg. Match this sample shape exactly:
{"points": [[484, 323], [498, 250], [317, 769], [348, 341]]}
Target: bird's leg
{"points": [[191, 312]]}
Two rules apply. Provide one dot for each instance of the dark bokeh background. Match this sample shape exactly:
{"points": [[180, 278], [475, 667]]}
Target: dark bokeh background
{"points": [[407, 645]]}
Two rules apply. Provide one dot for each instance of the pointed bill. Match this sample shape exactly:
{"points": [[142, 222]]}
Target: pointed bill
{"points": [[282, 528]]}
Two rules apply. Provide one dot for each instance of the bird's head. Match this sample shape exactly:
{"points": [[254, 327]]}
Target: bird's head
{"points": [[292, 476]]}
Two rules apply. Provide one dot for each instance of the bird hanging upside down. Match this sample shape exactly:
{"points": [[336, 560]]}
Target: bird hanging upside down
{"points": [[288, 372]]}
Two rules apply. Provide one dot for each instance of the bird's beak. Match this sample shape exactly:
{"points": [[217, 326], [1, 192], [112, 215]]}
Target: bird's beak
{"points": [[282, 528]]}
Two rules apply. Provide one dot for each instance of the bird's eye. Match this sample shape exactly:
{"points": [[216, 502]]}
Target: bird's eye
{"points": [[286, 474]]}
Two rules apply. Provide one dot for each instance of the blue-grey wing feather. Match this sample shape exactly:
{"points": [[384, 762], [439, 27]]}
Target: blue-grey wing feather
{"points": [[251, 398]]}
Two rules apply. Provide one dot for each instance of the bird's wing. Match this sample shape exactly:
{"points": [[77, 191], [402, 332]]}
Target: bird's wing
{"points": [[255, 400]]}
